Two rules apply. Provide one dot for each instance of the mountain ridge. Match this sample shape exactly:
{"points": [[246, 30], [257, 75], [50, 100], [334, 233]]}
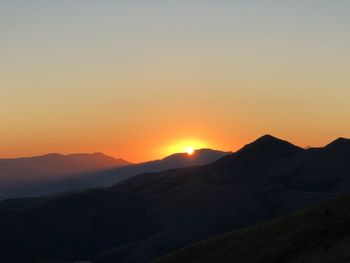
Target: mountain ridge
{"points": [[152, 214], [54, 154], [102, 177]]}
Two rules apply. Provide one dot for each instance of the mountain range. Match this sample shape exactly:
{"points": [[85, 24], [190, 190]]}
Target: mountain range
{"points": [[54, 165], [56, 173], [150, 215], [21, 176]]}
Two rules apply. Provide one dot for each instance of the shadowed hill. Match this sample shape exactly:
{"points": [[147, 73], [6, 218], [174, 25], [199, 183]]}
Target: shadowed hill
{"points": [[253, 160], [153, 214], [177, 160], [49, 173], [339, 144], [321, 169], [320, 234], [54, 165], [55, 173], [22, 176]]}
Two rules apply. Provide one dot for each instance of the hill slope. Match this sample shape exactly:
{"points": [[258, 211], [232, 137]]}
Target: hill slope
{"points": [[153, 214], [320, 234]]}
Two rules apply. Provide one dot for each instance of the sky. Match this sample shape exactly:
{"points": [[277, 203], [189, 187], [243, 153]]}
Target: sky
{"points": [[143, 79]]}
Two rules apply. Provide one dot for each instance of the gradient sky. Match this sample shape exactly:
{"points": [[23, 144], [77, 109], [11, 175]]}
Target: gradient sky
{"points": [[142, 79]]}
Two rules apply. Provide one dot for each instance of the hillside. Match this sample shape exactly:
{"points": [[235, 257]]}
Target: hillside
{"points": [[320, 234], [153, 214]]}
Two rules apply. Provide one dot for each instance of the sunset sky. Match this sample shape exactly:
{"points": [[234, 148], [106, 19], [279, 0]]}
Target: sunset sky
{"points": [[143, 79]]}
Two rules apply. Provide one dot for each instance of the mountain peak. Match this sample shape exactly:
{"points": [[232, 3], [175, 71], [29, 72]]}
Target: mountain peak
{"points": [[271, 145], [267, 138], [339, 144], [257, 156]]}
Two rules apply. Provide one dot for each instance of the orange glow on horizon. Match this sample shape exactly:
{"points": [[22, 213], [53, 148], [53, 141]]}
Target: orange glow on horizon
{"points": [[62, 93], [185, 146]]}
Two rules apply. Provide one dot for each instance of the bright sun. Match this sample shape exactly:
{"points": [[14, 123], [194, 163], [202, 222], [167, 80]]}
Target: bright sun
{"points": [[187, 146], [190, 150]]}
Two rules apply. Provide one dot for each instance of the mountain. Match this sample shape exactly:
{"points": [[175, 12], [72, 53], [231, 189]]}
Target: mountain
{"points": [[319, 169], [320, 234], [150, 215], [56, 173], [55, 165], [109, 177], [18, 173]]}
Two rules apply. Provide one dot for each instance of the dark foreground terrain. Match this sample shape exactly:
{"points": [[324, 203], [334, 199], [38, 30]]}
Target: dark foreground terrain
{"points": [[151, 215], [320, 234]]}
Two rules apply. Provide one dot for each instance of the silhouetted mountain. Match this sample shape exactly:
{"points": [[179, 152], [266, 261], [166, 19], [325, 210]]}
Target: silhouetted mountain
{"points": [[19, 176], [54, 165], [252, 160], [320, 234], [318, 169], [339, 145], [271, 147], [178, 160], [55, 173], [150, 215]]}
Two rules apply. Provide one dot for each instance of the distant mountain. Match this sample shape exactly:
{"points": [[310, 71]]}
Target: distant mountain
{"points": [[150, 215], [56, 173], [320, 234], [19, 173], [109, 177], [54, 165]]}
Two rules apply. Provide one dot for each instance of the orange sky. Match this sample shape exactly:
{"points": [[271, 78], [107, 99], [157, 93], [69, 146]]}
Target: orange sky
{"points": [[140, 81]]}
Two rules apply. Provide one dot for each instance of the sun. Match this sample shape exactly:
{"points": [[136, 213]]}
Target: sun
{"points": [[188, 146], [190, 150]]}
